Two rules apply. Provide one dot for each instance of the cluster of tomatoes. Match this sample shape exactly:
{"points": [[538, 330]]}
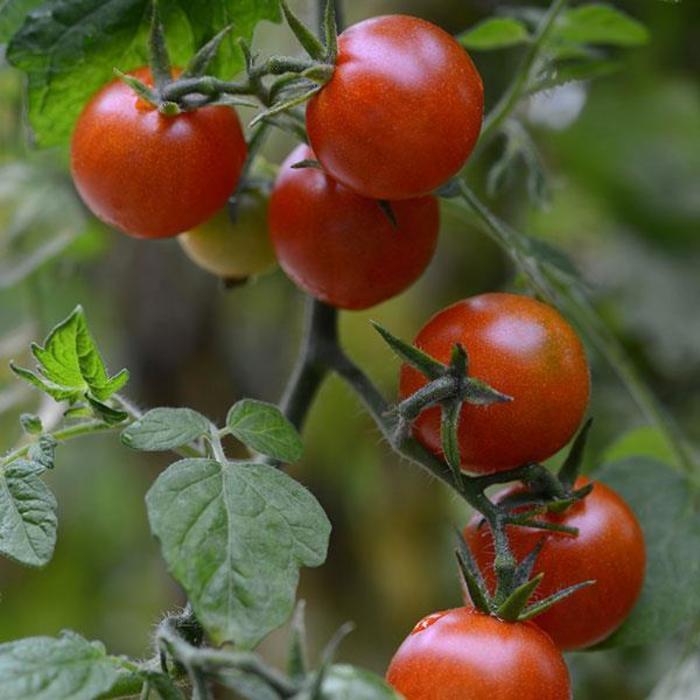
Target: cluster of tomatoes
{"points": [[354, 224]]}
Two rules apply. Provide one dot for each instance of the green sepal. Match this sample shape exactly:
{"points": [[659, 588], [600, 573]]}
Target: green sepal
{"points": [[472, 576], [307, 163], [479, 393], [524, 569], [304, 35], [199, 63], [528, 520], [330, 31], [139, 87], [388, 211], [285, 105], [410, 354], [158, 57], [542, 605], [320, 73], [459, 361], [512, 607], [572, 465]]}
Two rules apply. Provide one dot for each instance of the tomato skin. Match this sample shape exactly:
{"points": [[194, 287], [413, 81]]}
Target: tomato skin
{"points": [[233, 250], [340, 247], [150, 175], [401, 113], [463, 654], [608, 549], [523, 348]]}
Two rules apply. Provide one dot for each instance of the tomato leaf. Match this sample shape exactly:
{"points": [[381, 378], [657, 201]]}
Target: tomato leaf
{"points": [[663, 501], [234, 536], [64, 668], [68, 48], [165, 429], [70, 367], [600, 24], [495, 33], [28, 518], [262, 427]]}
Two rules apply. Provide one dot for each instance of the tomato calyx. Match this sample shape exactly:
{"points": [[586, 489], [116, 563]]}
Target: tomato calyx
{"points": [[296, 79], [449, 387]]}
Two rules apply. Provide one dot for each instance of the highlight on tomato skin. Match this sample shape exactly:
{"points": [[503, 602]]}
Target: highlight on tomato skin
{"points": [[609, 550], [462, 653], [233, 249], [342, 248], [402, 112], [150, 175], [523, 348]]}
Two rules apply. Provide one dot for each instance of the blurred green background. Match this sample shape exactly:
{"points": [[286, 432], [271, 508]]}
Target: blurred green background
{"points": [[625, 179]]}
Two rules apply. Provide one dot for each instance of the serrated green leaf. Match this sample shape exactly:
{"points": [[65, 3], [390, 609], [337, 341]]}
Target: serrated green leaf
{"points": [[43, 451], [165, 429], [262, 427], [345, 682], [596, 23], [234, 536], [56, 392], [64, 668], [495, 33], [663, 502], [27, 515], [69, 48], [71, 367]]}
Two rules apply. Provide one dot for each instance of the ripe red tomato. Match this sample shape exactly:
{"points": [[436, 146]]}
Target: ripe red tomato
{"points": [[609, 549], [522, 348], [464, 654], [401, 113], [233, 250], [150, 175], [340, 247]]}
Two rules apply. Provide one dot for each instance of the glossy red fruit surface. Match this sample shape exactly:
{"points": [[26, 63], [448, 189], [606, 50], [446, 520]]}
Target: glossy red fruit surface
{"points": [[463, 654], [524, 349], [609, 549], [151, 175], [341, 248], [401, 113]]}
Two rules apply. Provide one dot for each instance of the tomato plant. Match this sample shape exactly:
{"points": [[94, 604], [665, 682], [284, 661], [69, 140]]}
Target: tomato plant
{"points": [[524, 349], [463, 653], [401, 113], [608, 550], [233, 249], [149, 174], [384, 117], [342, 248]]}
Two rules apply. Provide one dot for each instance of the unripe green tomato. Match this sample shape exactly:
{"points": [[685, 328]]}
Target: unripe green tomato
{"points": [[237, 249]]}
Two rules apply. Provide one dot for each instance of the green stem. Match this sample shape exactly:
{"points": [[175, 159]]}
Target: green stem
{"points": [[512, 96], [308, 373]]}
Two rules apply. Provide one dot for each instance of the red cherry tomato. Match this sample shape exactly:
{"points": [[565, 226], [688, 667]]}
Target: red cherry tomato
{"points": [[401, 113], [340, 247], [150, 175], [522, 348], [609, 550], [463, 654]]}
